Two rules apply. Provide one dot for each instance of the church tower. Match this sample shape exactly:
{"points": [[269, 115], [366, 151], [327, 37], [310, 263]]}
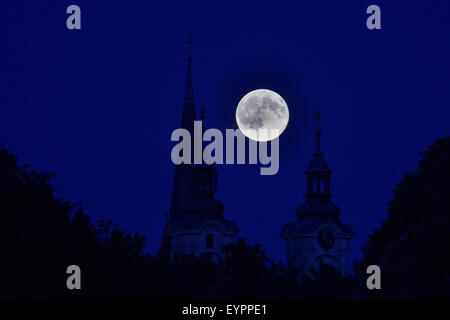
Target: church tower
{"points": [[195, 224], [318, 234]]}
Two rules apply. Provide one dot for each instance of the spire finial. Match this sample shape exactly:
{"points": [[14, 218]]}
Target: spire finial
{"points": [[318, 118], [189, 42], [202, 114]]}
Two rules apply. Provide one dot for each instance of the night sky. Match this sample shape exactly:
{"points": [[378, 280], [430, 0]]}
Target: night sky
{"points": [[97, 106]]}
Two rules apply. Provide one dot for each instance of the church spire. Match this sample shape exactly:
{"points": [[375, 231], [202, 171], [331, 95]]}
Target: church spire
{"points": [[180, 192], [194, 185], [318, 118], [318, 173], [189, 112], [195, 224], [318, 195]]}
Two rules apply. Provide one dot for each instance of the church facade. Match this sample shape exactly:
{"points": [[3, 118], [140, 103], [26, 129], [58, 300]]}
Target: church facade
{"points": [[318, 235], [195, 223]]}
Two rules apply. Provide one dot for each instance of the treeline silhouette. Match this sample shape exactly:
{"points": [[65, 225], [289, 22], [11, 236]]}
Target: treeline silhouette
{"points": [[412, 245], [41, 235]]}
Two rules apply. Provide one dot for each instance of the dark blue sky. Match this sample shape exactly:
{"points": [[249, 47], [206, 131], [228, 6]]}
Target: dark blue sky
{"points": [[97, 106]]}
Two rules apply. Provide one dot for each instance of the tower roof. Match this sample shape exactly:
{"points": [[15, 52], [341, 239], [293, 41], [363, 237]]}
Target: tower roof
{"points": [[189, 112], [180, 190], [318, 162], [194, 184], [318, 173]]}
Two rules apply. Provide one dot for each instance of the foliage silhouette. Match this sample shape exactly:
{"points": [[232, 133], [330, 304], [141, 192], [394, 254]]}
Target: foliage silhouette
{"points": [[412, 245], [41, 235], [328, 284], [247, 273]]}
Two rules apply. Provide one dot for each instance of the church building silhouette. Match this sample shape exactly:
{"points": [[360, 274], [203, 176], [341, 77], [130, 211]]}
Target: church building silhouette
{"points": [[318, 235], [196, 225]]}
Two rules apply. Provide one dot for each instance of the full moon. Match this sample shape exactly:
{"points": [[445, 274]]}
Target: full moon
{"points": [[262, 115]]}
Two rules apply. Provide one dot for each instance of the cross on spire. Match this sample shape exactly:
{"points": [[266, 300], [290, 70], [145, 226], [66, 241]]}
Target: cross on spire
{"points": [[318, 118], [189, 42], [202, 113], [189, 94]]}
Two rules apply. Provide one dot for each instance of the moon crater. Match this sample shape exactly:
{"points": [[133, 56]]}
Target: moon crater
{"points": [[262, 115]]}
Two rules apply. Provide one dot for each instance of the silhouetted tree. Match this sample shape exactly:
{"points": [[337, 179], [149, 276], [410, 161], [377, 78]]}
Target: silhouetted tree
{"points": [[412, 245], [327, 283], [33, 231], [41, 235], [248, 274]]}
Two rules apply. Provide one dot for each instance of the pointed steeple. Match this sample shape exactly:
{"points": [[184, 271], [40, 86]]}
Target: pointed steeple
{"points": [[180, 191], [195, 224], [194, 185], [189, 112]]}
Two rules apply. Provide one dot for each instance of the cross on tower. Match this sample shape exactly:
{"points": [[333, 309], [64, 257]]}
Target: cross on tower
{"points": [[189, 42], [202, 114], [318, 118]]}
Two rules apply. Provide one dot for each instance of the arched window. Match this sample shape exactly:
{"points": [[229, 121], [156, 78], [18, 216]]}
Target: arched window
{"points": [[209, 241], [317, 184]]}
